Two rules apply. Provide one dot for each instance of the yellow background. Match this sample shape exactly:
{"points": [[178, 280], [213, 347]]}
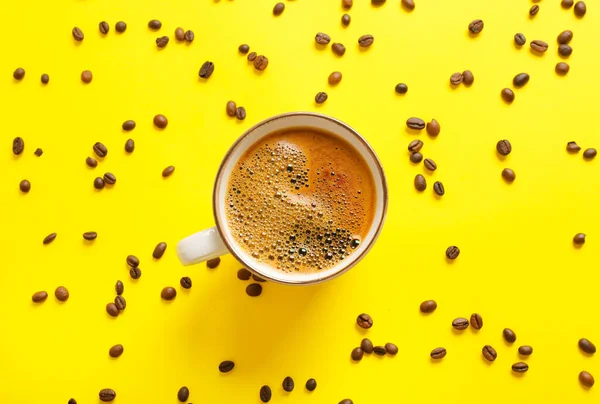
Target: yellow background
{"points": [[518, 267]]}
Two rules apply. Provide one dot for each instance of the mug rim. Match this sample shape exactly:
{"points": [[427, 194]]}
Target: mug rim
{"points": [[228, 243]]}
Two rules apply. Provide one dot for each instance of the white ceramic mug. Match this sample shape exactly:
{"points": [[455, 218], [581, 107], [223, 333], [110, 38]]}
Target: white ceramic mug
{"points": [[218, 240]]}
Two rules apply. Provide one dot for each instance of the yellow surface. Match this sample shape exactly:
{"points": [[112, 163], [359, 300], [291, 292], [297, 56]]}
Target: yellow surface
{"points": [[518, 267]]}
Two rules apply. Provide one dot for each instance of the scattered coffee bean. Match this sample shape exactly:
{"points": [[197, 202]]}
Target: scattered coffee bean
{"points": [[183, 394], [244, 48], [226, 366], [525, 350], [428, 306], [520, 367], [468, 77], [213, 263], [77, 34], [61, 293], [503, 147], [507, 95], [189, 36], [154, 24], [415, 123], [460, 323], [19, 74], [179, 34], [168, 293], [364, 321], [338, 49], [120, 302], [565, 50], [86, 76], [261, 63], [135, 273], [573, 147], [357, 354], [508, 175], [401, 88], [565, 37], [25, 186], [420, 183], [45, 78], [562, 68], [489, 353], [18, 146], [391, 349], [119, 288], [112, 309], [438, 353], [115, 351], [476, 26], [346, 20], [408, 4], [91, 162], [586, 379], [415, 146], [430, 164], [580, 9], [438, 188], [321, 97], [278, 9], [476, 321], [579, 239], [133, 261], [128, 125], [243, 274], [311, 384], [258, 278], [379, 350], [366, 345], [347, 4], [334, 78], [567, 3], [589, 154], [206, 70], [129, 146], [167, 172], [288, 384], [509, 335], [230, 108], [160, 121], [365, 41], [433, 128], [587, 346], [240, 113], [39, 297], [104, 27], [456, 78], [38, 152], [100, 149], [539, 46], [186, 282], [107, 395], [49, 238], [159, 250], [254, 290], [120, 27], [90, 235], [452, 252], [520, 39], [98, 183], [416, 157], [520, 79], [252, 56], [534, 10], [110, 178], [322, 38], [265, 394], [162, 41]]}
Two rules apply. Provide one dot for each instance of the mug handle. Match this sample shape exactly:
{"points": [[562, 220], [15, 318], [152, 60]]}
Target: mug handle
{"points": [[201, 246]]}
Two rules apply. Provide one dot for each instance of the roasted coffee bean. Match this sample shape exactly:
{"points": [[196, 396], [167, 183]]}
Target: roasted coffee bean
{"points": [[357, 354], [430, 165], [77, 34], [322, 38], [213, 263], [503, 147], [61, 293], [110, 178], [252, 56], [579, 239], [230, 108], [379, 350], [520, 367], [185, 282], [347, 400], [565, 50], [168, 293], [587, 346], [189, 36], [206, 70], [38, 152], [240, 113], [18, 145], [86, 76], [154, 24], [321, 97], [408, 4], [244, 48], [438, 188], [520, 39], [265, 394], [420, 182], [489, 353], [586, 379], [565, 37], [254, 290], [243, 274], [100, 149], [525, 350], [428, 306], [507, 95], [456, 78], [25, 186], [476, 321], [508, 175], [183, 394], [49, 238], [112, 309], [416, 157], [338, 49], [107, 395], [562, 68], [534, 10], [91, 162], [509, 335], [45, 78], [119, 288], [589, 154], [104, 27], [288, 384], [520, 79], [261, 62], [135, 273], [159, 250], [39, 297], [133, 261], [226, 366], [365, 41], [162, 41], [391, 349], [433, 128], [468, 77], [115, 351], [120, 302], [120, 27], [334, 78], [347, 4], [366, 346], [90, 235], [460, 323], [168, 171], [278, 9], [128, 125], [364, 321], [580, 9], [539, 46], [567, 3], [19, 74], [129, 146], [401, 88], [438, 353], [160, 121], [415, 123], [346, 20], [311, 384], [476, 26], [98, 183], [179, 33], [573, 147], [415, 146]]}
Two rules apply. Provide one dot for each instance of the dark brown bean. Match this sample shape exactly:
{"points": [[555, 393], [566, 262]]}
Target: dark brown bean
{"points": [[112, 309], [415, 123], [278, 9], [162, 41], [415, 146], [460, 323], [258, 278], [133, 261], [438, 188], [38, 152], [213, 263], [91, 162], [226, 366], [507, 95], [311, 384], [254, 289], [338, 49], [520, 367], [408, 4], [98, 183], [265, 394], [160, 121], [347, 400], [401, 88], [135, 273], [321, 97], [186, 282], [19, 74], [379, 350], [580, 9], [120, 27], [86, 76], [520, 79], [288, 384], [476, 26], [347, 4], [539, 46], [159, 250], [356, 354], [39, 297], [587, 346], [90, 235], [183, 394], [128, 125], [564, 37], [562, 68], [567, 3], [107, 395], [468, 77], [206, 70], [509, 335], [154, 24], [115, 351], [438, 353], [565, 50], [525, 350], [230, 108], [61, 293], [365, 41], [110, 178], [476, 321], [189, 36], [45, 78], [503, 147], [416, 157], [252, 56], [322, 38], [334, 78], [240, 113], [579, 239], [104, 27], [129, 146], [243, 274], [364, 321], [168, 293], [573, 147], [366, 345], [119, 288], [391, 349], [120, 302], [508, 175], [244, 48], [586, 379], [489, 353], [49, 238], [420, 182], [433, 128], [77, 34], [261, 62], [100, 149], [428, 306], [18, 146], [179, 34], [456, 78], [520, 39], [167, 172], [534, 10], [346, 20], [589, 154], [430, 164], [25, 186]]}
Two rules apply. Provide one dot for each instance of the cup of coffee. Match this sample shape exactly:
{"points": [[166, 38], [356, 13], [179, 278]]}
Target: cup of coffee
{"points": [[299, 199]]}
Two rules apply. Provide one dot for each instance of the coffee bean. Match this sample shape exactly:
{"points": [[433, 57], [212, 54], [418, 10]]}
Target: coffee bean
{"points": [[90, 235], [408, 4], [391, 349], [321, 97], [110, 178], [456, 78], [346, 20], [179, 34], [565, 50], [120, 27], [508, 175], [338, 49], [100, 149], [168, 293], [364, 321], [159, 250], [347, 4], [18, 145], [185, 282], [509, 335], [415, 146], [119, 288], [128, 125], [589, 154], [112, 309], [520, 39], [562, 68], [430, 165], [25, 186], [379, 350], [525, 350], [565, 37], [129, 146], [19, 74], [39, 297], [213, 263], [38, 152], [476, 321], [520, 367], [357, 354], [347, 400], [489, 353], [438, 353], [91, 162], [226, 366], [322, 39], [107, 395], [278, 9], [77, 34], [189, 36], [244, 48], [460, 323], [503, 147], [183, 394], [415, 123], [240, 113], [135, 273], [365, 41], [133, 261], [160, 121], [468, 77], [428, 306], [261, 63], [49, 238], [98, 183], [334, 78], [586, 379], [416, 157], [230, 108], [45, 78], [254, 290], [401, 88], [115, 351], [72, 401], [366, 346], [168, 171], [579, 239], [104, 27], [252, 56], [243, 274], [476, 26], [438, 188], [288, 384], [507, 95], [61, 293], [520, 79], [258, 278], [587, 346], [580, 9], [206, 70], [120, 302], [86, 76], [162, 41], [311, 384], [567, 3], [534, 10], [265, 394], [539, 46], [154, 24]]}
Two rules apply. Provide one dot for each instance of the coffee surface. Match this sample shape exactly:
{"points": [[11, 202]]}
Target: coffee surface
{"points": [[300, 200]]}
